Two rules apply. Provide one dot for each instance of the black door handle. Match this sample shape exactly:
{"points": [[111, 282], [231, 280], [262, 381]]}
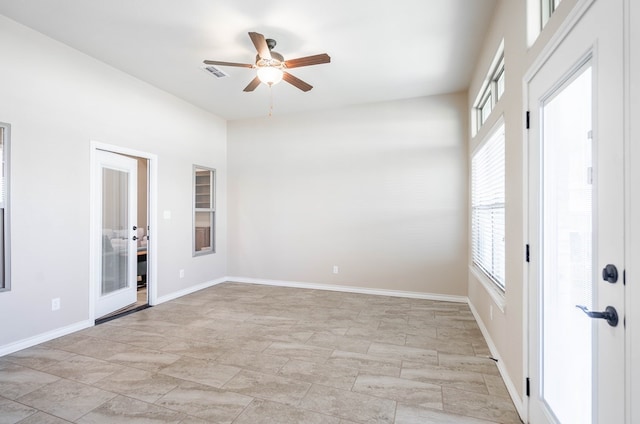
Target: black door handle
{"points": [[610, 314]]}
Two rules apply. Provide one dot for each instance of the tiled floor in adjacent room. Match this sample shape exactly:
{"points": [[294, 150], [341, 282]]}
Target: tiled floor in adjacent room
{"points": [[247, 354]]}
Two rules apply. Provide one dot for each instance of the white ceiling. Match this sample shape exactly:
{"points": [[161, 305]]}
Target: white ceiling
{"points": [[380, 50]]}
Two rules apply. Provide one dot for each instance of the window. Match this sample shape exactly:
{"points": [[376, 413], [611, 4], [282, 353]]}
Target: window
{"points": [[488, 207], [492, 90], [547, 7], [539, 13], [485, 107], [204, 210], [498, 80], [5, 280]]}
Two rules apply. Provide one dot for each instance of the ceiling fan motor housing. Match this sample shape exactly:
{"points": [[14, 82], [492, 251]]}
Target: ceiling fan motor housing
{"points": [[271, 43]]}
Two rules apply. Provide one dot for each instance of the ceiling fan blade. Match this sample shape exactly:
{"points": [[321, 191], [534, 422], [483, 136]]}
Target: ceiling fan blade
{"points": [[296, 82], [308, 61], [252, 85], [217, 62], [261, 45]]}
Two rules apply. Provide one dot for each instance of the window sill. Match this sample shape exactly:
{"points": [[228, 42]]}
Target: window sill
{"points": [[496, 294]]}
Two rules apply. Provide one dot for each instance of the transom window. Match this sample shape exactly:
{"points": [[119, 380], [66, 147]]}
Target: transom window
{"points": [[547, 8], [539, 13], [492, 90]]}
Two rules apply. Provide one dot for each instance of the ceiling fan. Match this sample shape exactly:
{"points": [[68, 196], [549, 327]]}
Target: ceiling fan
{"points": [[271, 66]]}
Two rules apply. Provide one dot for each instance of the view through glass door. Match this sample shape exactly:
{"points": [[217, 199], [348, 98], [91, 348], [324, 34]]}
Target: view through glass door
{"points": [[576, 220], [116, 180]]}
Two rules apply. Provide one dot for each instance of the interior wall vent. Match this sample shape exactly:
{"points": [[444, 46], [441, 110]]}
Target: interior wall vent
{"points": [[218, 73]]}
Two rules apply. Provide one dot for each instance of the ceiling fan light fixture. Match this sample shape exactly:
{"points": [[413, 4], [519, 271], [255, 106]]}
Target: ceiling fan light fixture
{"points": [[270, 65], [270, 75]]}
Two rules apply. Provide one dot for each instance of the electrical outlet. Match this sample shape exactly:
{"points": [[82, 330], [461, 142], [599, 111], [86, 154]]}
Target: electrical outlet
{"points": [[55, 304], [182, 273], [335, 269]]}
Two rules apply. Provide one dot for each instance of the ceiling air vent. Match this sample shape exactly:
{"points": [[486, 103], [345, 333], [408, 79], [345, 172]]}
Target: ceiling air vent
{"points": [[218, 73]]}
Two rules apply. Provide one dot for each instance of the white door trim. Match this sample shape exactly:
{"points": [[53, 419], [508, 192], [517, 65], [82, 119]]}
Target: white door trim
{"points": [[631, 34], [152, 254]]}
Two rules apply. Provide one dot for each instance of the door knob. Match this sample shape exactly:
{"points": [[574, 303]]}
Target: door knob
{"points": [[610, 273], [610, 314]]}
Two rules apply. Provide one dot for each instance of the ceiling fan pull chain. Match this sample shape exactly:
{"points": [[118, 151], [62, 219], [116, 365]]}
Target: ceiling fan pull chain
{"points": [[270, 101]]}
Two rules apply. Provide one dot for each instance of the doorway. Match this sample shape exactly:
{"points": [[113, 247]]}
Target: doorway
{"points": [[122, 213], [576, 298]]}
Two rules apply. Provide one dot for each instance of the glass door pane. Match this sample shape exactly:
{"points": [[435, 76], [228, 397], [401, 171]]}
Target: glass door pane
{"points": [[115, 233], [567, 271]]}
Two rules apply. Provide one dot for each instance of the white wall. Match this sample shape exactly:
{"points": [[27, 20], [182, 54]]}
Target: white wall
{"points": [[379, 190], [505, 330], [57, 100]]}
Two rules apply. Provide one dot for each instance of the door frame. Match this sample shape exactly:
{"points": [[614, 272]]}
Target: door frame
{"points": [[631, 61], [152, 201], [631, 35]]}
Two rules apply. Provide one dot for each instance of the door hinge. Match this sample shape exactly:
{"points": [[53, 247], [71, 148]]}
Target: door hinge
{"points": [[528, 387], [527, 119], [624, 277], [526, 253]]}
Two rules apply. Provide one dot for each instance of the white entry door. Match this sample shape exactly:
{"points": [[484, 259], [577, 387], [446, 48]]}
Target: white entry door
{"points": [[116, 268], [576, 225]]}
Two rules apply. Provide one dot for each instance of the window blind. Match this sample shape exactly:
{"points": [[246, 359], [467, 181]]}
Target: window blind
{"points": [[488, 207]]}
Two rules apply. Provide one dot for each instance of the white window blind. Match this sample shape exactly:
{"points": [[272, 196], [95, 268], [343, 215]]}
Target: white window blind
{"points": [[487, 207]]}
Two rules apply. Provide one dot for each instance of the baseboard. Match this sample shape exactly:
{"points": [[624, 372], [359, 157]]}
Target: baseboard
{"points": [[44, 337], [189, 290], [351, 289], [511, 388]]}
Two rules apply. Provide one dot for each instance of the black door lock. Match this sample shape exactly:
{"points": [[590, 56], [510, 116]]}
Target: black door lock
{"points": [[610, 273]]}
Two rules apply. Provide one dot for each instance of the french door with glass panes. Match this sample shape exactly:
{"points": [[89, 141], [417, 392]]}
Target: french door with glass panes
{"points": [[576, 225], [115, 273]]}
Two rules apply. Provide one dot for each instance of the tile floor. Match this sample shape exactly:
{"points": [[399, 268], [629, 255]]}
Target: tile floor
{"points": [[247, 354]]}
